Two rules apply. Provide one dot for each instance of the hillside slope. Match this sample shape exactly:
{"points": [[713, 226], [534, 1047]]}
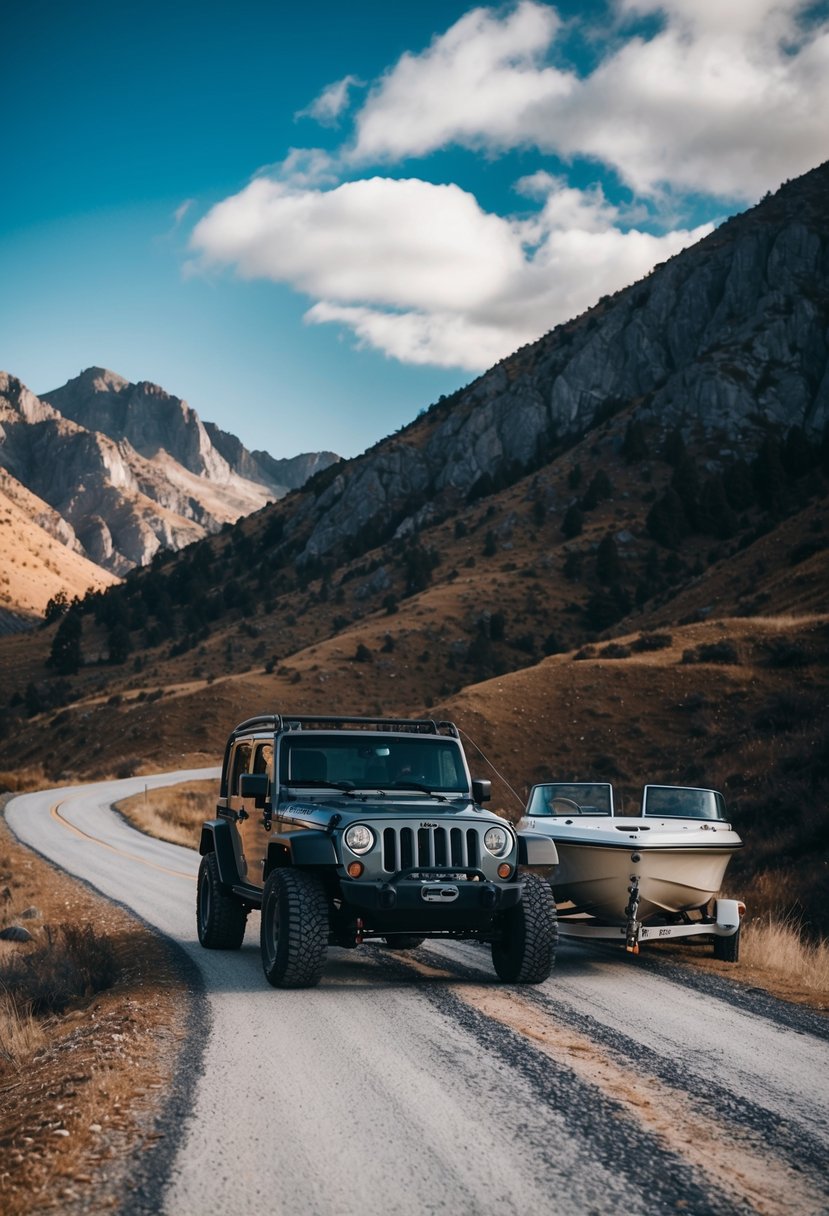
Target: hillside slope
{"points": [[39, 555], [635, 590]]}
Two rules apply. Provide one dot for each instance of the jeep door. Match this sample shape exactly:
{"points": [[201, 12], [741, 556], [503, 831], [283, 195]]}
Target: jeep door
{"points": [[252, 829], [238, 763]]}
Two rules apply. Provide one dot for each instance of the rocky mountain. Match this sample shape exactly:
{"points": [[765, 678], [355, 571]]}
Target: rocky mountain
{"points": [[131, 469], [724, 342]]}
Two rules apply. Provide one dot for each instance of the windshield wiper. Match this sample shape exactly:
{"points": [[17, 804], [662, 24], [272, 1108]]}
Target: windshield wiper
{"points": [[417, 785], [318, 783]]}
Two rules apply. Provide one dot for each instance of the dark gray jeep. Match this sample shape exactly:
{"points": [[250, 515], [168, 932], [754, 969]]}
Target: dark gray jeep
{"points": [[343, 830]]}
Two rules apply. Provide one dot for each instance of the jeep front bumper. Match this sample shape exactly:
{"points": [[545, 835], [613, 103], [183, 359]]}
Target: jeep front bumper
{"points": [[430, 902]]}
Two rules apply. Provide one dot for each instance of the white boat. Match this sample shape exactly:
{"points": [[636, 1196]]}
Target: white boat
{"points": [[649, 875]]}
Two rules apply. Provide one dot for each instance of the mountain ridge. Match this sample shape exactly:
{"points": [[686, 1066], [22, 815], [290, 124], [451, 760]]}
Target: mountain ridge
{"points": [[727, 337], [131, 468]]}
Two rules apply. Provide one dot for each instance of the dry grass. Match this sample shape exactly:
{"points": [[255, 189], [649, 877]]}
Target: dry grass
{"points": [[779, 947], [175, 812], [68, 962], [82, 1073], [22, 780], [21, 1033]]}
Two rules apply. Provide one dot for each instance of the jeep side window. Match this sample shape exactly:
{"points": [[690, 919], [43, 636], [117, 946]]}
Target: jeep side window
{"points": [[263, 758], [238, 765]]}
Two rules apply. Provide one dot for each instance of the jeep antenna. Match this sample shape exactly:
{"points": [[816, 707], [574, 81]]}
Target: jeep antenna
{"points": [[487, 760]]}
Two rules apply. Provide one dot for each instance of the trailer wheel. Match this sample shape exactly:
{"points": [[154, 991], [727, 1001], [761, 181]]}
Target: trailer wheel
{"points": [[727, 949]]}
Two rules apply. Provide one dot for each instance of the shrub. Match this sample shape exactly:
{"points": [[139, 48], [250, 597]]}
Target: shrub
{"points": [[73, 962], [712, 652], [652, 641], [782, 652], [615, 650]]}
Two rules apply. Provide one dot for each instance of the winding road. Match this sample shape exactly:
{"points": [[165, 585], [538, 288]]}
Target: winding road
{"points": [[412, 1084]]}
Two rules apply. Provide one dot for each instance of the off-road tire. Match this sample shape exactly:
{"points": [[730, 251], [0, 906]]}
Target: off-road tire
{"points": [[220, 917], [403, 941], [525, 951], [727, 949], [294, 932]]}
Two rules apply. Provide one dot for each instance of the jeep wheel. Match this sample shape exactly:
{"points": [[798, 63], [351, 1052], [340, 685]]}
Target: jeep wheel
{"points": [[294, 934], [220, 918], [403, 941], [525, 951]]}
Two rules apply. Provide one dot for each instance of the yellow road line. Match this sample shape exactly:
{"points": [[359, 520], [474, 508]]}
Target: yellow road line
{"points": [[55, 812]]}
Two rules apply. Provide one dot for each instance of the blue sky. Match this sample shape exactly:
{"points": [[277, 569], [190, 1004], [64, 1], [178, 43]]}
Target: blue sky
{"points": [[311, 221]]}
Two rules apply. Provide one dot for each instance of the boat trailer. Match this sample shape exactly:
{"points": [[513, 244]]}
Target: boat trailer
{"points": [[723, 926]]}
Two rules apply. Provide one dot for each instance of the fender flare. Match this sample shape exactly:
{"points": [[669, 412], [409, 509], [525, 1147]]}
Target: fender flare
{"points": [[310, 848], [216, 838]]}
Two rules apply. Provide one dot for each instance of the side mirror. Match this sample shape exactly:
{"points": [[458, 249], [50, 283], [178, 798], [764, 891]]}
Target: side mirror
{"points": [[254, 785], [481, 790]]}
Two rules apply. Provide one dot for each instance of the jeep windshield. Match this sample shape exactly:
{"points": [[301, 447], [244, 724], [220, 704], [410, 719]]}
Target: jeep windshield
{"points": [[360, 761]]}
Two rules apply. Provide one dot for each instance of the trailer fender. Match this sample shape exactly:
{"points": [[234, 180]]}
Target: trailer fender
{"points": [[727, 914]]}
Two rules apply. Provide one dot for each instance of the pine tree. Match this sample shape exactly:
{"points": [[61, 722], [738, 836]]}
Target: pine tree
{"points": [[65, 655]]}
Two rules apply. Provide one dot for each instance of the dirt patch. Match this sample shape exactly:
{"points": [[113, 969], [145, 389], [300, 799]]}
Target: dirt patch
{"points": [[84, 1093], [172, 812]]}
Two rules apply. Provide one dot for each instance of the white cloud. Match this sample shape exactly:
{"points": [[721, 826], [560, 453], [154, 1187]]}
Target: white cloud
{"points": [[303, 167], [421, 271], [182, 209], [728, 98], [438, 339], [397, 243], [725, 98], [472, 86], [332, 101]]}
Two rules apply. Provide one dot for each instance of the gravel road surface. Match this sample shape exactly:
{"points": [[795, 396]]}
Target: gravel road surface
{"points": [[414, 1083]]}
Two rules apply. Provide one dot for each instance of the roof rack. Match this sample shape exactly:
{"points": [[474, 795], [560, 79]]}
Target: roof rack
{"points": [[290, 722]]}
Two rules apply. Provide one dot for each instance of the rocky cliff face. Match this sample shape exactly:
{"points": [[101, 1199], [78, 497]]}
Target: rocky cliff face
{"points": [[724, 341], [129, 467], [281, 475]]}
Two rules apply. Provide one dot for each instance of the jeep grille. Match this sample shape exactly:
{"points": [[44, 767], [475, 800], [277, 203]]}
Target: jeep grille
{"points": [[405, 848]]}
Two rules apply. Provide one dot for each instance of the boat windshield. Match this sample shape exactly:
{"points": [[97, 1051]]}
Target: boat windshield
{"points": [[679, 802], [571, 798], [363, 761]]}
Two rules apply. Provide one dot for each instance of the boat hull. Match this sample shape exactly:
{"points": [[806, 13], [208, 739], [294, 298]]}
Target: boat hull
{"points": [[674, 868]]}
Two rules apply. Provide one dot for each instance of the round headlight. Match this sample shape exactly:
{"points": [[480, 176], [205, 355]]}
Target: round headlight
{"points": [[498, 841], [359, 838]]}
